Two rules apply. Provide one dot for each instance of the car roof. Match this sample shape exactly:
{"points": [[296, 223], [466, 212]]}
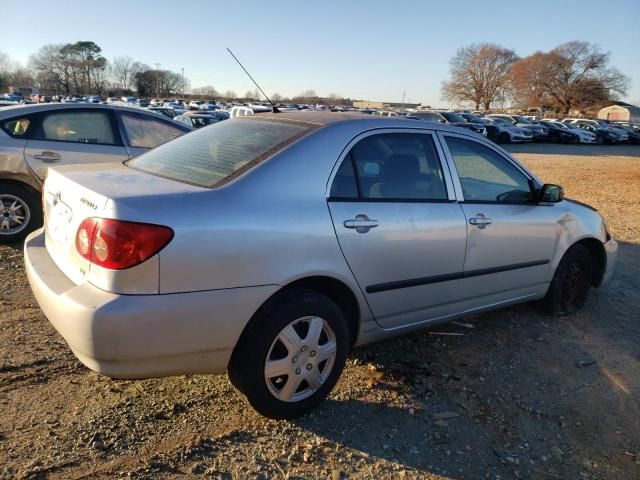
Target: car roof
{"points": [[364, 121], [12, 111]]}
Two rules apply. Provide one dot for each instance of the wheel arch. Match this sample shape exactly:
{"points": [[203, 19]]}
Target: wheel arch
{"points": [[598, 257], [334, 289]]}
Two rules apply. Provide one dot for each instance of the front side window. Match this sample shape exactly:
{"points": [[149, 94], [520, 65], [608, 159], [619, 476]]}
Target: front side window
{"points": [[393, 166], [76, 126], [147, 132], [485, 175]]}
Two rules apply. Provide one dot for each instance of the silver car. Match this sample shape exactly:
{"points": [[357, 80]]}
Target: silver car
{"points": [[268, 246], [32, 138]]}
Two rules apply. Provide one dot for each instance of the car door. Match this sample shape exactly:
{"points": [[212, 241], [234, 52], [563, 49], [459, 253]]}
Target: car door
{"points": [[399, 226], [72, 136], [142, 132], [510, 238]]}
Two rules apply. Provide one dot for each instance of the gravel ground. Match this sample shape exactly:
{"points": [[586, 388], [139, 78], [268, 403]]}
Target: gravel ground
{"points": [[518, 395]]}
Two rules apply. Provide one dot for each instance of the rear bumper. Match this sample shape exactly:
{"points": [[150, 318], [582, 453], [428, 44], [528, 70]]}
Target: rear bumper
{"points": [[141, 336], [611, 249]]}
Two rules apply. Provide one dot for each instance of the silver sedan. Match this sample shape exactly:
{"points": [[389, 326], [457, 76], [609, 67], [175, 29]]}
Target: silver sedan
{"points": [[268, 246]]}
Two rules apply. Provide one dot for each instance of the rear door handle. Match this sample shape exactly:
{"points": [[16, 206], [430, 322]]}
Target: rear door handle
{"points": [[361, 223], [480, 220], [48, 157]]}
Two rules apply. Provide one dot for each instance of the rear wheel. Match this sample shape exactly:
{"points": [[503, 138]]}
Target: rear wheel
{"points": [[20, 212], [571, 282], [291, 354]]}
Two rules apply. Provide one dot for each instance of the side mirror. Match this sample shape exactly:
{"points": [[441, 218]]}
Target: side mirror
{"points": [[550, 193]]}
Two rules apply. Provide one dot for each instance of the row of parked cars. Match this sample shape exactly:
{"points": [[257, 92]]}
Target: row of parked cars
{"points": [[504, 128]]}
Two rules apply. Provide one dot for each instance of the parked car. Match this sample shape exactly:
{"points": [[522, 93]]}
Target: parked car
{"points": [[504, 131], [199, 120], [35, 137], [195, 104], [459, 121], [169, 112], [208, 106], [142, 102], [604, 134], [455, 119], [561, 133], [540, 132], [194, 257], [632, 133]]}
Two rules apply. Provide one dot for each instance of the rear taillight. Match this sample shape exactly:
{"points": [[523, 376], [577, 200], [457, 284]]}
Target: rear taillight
{"points": [[116, 244]]}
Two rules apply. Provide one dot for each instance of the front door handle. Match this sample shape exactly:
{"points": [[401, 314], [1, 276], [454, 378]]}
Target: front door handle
{"points": [[48, 157], [480, 220], [361, 223]]}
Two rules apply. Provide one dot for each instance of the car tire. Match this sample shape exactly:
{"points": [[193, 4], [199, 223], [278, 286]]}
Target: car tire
{"points": [[505, 137], [20, 211], [571, 282], [275, 350]]}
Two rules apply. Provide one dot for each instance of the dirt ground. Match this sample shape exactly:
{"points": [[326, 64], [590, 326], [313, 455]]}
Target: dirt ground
{"points": [[518, 395]]}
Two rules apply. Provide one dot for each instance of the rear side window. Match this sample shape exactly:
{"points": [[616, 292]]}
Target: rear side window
{"points": [[76, 126], [17, 127], [147, 132], [391, 167], [211, 156]]}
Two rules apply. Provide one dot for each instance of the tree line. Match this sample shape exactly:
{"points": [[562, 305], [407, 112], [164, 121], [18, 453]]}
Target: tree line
{"points": [[80, 69], [573, 76]]}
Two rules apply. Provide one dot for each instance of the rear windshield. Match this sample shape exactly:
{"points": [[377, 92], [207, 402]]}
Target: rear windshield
{"points": [[218, 153]]}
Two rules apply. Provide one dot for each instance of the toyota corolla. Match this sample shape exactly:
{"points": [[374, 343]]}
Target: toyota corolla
{"points": [[268, 246]]}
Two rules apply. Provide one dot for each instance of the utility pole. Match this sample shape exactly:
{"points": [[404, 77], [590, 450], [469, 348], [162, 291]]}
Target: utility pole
{"points": [[158, 79], [182, 70], [403, 94]]}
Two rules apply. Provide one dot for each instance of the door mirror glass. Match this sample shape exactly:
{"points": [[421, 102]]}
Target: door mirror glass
{"points": [[550, 193]]}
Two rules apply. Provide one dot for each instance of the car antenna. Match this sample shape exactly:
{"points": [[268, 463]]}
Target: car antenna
{"points": [[275, 109]]}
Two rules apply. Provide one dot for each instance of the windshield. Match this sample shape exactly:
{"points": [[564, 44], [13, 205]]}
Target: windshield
{"points": [[502, 121], [562, 125], [524, 120], [214, 155], [570, 126], [454, 117], [431, 116]]}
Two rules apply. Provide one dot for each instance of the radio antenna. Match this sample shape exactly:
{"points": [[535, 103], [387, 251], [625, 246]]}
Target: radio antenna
{"points": [[275, 109]]}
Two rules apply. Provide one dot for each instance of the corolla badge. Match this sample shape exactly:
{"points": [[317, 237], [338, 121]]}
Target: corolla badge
{"points": [[88, 203]]}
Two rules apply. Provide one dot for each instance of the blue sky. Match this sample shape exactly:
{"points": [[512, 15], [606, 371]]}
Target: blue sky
{"points": [[362, 49]]}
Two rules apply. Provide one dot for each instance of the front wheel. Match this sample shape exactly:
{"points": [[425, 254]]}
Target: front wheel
{"points": [[20, 212], [505, 137], [291, 354], [571, 282]]}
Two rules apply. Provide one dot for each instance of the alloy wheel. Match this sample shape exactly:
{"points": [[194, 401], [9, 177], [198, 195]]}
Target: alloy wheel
{"points": [[14, 214]]}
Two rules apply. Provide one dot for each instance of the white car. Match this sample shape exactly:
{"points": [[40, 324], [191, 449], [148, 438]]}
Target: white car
{"points": [[195, 104], [584, 136], [506, 132]]}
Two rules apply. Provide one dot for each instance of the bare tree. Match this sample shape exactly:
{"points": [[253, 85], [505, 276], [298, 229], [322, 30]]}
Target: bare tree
{"points": [[276, 97], [6, 69], [208, 91], [230, 94], [479, 73], [124, 72], [573, 75]]}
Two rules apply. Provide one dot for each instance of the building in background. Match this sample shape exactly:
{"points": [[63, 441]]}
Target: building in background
{"points": [[621, 111], [383, 105]]}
